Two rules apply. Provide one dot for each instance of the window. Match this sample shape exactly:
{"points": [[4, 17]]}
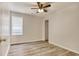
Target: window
{"points": [[17, 25]]}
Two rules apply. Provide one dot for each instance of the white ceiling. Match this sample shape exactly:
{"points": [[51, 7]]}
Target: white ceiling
{"points": [[25, 7]]}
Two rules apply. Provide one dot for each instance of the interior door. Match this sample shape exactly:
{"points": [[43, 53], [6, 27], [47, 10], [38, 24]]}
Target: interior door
{"points": [[46, 30], [4, 30]]}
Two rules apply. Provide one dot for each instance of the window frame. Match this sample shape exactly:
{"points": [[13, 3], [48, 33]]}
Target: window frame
{"points": [[12, 26]]}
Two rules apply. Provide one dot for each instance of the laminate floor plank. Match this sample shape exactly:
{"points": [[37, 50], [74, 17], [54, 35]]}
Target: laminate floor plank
{"points": [[40, 48]]}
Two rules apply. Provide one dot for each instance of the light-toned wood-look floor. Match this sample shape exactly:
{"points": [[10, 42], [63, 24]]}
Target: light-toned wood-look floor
{"points": [[41, 48]]}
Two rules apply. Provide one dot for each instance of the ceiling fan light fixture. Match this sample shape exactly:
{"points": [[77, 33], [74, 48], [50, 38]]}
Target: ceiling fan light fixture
{"points": [[40, 10]]}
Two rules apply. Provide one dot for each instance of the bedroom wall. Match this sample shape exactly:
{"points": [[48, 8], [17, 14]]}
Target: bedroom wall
{"points": [[4, 29], [32, 29], [64, 27]]}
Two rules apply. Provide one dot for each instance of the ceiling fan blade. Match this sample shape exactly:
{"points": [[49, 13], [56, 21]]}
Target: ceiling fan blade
{"points": [[39, 4], [45, 10], [34, 8], [37, 12], [47, 6]]}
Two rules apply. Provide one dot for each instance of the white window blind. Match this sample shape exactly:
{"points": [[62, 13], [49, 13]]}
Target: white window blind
{"points": [[17, 25]]}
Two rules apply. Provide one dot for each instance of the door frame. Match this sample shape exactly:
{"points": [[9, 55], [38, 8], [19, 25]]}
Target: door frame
{"points": [[43, 30]]}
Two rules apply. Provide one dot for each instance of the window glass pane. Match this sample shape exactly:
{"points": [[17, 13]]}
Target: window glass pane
{"points": [[17, 25]]}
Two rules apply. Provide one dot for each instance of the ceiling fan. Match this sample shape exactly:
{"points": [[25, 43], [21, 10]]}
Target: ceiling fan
{"points": [[42, 7]]}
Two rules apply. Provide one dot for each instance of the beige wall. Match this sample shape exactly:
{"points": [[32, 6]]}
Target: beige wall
{"points": [[5, 30], [32, 29], [0, 20], [64, 27], [0, 31]]}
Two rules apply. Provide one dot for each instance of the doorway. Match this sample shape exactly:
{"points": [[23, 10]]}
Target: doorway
{"points": [[46, 30]]}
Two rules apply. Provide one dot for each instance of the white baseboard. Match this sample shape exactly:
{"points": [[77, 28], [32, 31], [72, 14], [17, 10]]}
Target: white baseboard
{"points": [[6, 54], [27, 41], [64, 47]]}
